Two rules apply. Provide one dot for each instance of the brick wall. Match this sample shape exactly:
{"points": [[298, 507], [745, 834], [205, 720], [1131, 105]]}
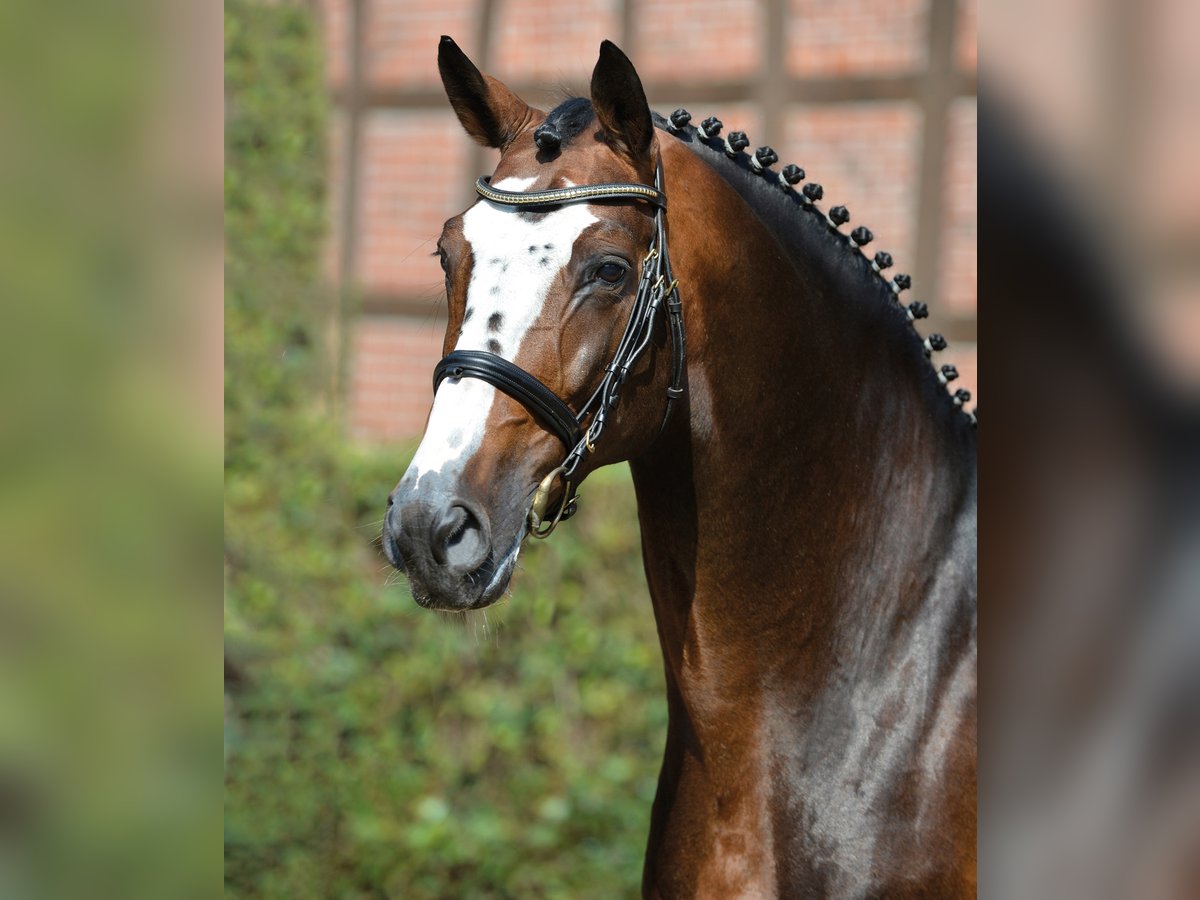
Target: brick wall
{"points": [[406, 197], [865, 156], [394, 358], [856, 37], [701, 39], [401, 39], [850, 111], [542, 41]]}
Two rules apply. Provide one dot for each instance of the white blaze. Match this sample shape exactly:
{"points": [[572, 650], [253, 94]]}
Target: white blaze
{"points": [[514, 263]]}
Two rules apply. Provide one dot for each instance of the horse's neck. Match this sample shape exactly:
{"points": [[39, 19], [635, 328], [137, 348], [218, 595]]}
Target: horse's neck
{"points": [[790, 509], [805, 528]]}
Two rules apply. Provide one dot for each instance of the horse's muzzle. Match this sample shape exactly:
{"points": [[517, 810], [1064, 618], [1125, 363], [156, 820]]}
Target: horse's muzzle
{"points": [[443, 543]]}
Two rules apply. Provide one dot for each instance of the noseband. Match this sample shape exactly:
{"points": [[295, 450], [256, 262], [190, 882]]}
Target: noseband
{"points": [[656, 289]]}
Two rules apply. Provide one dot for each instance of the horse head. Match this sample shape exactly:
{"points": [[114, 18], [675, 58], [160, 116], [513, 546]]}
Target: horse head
{"points": [[552, 299]]}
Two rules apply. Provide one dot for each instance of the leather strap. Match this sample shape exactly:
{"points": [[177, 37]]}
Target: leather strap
{"points": [[575, 194], [517, 383]]}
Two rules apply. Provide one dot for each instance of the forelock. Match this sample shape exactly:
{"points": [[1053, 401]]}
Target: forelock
{"points": [[571, 117]]}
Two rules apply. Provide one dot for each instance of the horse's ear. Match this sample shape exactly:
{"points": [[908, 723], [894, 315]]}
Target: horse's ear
{"points": [[491, 113], [620, 104]]}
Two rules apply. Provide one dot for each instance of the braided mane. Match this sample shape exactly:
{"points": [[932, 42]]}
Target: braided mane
{"points": [[793, 214]]}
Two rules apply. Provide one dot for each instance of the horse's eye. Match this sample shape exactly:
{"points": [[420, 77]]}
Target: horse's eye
{"points": [[611, 272]]}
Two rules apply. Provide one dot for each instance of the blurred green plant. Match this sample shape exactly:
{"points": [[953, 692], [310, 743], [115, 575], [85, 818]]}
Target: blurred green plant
{"points": [[374, 748], [109, 459]]}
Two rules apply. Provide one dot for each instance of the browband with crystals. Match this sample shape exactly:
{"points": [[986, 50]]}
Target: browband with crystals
{"points": [[570, 194]]}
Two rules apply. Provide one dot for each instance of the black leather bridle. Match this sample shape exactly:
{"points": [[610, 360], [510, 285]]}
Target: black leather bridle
{"points": [[656, 288]]}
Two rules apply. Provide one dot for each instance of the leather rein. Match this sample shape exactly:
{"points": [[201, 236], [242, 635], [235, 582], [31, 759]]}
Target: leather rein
{"points": [[656, 288]]}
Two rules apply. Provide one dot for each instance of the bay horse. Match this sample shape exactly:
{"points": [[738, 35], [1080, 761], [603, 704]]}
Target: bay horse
{"points": [[629, 287]]}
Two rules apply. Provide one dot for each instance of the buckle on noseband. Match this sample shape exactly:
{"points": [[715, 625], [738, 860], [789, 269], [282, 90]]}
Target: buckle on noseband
{"points": [[541, 498], [657, 288]]}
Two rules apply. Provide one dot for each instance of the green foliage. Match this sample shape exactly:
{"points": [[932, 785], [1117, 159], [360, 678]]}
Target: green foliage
{"points": [[509, 752], [374, 748]]}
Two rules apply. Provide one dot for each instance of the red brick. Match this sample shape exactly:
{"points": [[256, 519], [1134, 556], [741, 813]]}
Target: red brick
{"points": [[855, 37], [702, 40], [411, 181], [957, 287], [865, 157], [392, 367], [402, 39], [334, 20], [551, 41]]}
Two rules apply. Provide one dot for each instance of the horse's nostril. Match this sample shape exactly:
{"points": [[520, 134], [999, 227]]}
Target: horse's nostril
{"points": [[459, 540]]}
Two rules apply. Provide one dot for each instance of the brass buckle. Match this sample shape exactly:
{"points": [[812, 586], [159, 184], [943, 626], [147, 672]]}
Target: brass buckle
{"points": [[541, 498]]}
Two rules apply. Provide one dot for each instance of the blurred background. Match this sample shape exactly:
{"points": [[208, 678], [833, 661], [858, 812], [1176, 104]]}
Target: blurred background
{"points": [[1090, 488]]}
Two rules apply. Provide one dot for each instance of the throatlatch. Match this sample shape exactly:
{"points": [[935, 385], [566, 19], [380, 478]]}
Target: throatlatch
{"points": [[657, 288]]}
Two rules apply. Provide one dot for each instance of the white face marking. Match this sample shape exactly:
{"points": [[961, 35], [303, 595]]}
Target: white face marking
{"points": [[514, 263]]}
